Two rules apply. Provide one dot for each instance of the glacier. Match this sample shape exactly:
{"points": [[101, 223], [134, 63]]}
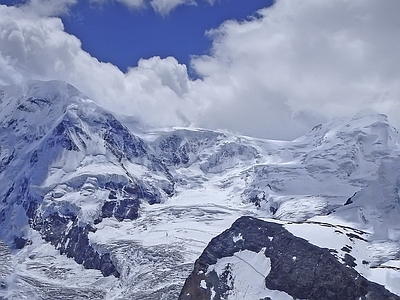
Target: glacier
{"points": [[91, 209]]}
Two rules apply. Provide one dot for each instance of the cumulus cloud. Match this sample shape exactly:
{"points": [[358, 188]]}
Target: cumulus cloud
{"points": [[275, 75], [33, 47], [301, 62]]}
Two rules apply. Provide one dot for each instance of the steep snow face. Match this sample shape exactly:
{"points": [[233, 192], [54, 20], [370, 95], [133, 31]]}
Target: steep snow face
{"points": [[214, 152], [357, 143], [318, 172], [33, 109], [377, 206], [365, 150], [182, 148], [29, 112]]}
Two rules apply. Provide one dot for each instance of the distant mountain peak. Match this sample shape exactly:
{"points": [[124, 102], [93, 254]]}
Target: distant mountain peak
{"points": [[368, 113]]}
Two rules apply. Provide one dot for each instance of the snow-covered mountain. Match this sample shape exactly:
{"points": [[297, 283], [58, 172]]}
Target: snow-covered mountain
{"points": [[91, 210]]}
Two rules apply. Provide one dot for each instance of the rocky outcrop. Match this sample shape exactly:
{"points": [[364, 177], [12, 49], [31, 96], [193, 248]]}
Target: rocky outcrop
{"points": [[298, 268], [71, 239]]}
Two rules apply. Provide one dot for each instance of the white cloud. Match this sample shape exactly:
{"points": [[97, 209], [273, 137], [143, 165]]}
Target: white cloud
{"points": [[135, 4], [301, 62], [33, 47], [275, 75], [163, 7], [61, 7], [49, 7]]}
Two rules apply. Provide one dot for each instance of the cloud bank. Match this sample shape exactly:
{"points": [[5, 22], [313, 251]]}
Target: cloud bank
{"points": [[275, 75]]}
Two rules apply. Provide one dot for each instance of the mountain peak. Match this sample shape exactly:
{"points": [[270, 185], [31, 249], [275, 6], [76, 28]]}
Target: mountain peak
{"points": [[36, 102], [368, 113], [54, 91], [49, 89]]}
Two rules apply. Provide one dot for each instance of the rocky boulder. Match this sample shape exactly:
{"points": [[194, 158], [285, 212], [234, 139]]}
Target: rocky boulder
{"points": [[297, 268]]}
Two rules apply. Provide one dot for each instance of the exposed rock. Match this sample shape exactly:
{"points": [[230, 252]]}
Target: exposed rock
{"points": [[314, 274], [21, 242], [121, 209], [69, 238], [174, 150], [120, 141]]}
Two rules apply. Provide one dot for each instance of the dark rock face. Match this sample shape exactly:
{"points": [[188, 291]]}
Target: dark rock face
{"points": [[6, 156], [121, 209], [20, 242], [181, 148], [227, 153], [69, 238], [174, 150], [314, 274], [123, 201], [34, 104], [121, 142], [63, 136]]}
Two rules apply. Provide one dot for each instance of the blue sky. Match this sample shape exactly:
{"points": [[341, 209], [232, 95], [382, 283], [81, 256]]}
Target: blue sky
{"points": [[115, 34], [276, 75], [111, 32]]}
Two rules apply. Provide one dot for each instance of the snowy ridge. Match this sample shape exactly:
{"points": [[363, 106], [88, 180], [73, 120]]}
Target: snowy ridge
{"points": [[78, 183]]}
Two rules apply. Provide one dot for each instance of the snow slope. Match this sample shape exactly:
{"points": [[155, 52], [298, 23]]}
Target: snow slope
{"points": [[143, 206]]}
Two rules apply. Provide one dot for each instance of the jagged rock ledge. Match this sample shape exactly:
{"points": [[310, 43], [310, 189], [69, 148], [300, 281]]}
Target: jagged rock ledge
{"points": [[314, 274]]}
